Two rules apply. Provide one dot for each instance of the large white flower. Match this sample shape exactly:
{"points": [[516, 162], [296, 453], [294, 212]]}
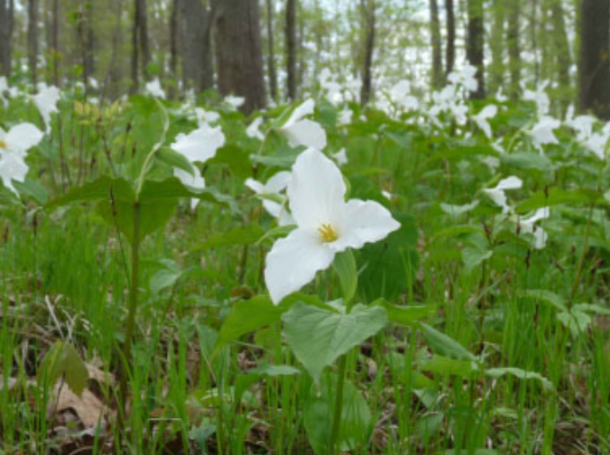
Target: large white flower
{"points": [[542, 132], [20, 139], [301, 131], [12, 168], [206, 117], [400, 94], [199, 145], [528, 226], [497, 194], [326, 225], [539, 96], [46, 102]]}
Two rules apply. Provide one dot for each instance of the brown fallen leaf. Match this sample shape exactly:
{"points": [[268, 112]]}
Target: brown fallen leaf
{"points": [[89, 409]]}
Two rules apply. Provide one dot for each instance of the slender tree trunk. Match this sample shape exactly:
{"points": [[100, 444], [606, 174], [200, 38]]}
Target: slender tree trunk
{"points": [[55, 42], [450, 49], [197, 67], [143, 36], [33, 40], [291, 48], [437, 51], [7, 14], [135, 50], [140, 54], [475, 44], [239, 53], [496, 43], [271, 51], [595, 57], [368, 9], [173, 44], [534, 37], [514, 47]]}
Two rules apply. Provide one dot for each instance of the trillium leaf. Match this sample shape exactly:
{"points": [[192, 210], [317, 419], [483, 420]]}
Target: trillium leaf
{"points": [[527, 160], [98, 190], [345, 266], [445, 345], [245, 235], [318, 336], [521, 374], [405, 315], [175, 159], [63, 360], [544, 296]]}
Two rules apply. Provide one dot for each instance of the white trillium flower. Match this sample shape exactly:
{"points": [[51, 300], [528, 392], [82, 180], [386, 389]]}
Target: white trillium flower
{"points": [[46, 101], [528, 226], [542, 132], [597, 144], [235, 101], [538, 96], [497, 193], [12, 168], [154, 88], [500, 96], [274, 186], [465, 77], [481, 119], [326, 225], [20, 139], [303, 132], [400, 94], [206, 117], [199, 145], [345, 117], [253, 131]]}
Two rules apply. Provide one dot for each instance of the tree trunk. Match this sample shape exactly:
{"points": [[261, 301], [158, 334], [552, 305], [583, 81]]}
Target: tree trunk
{"points": [[475, 44], [514, 47], [7, 14], [534, 37], [450, 49], [368, 9], [143, 36], [140, 55], [291, 48], [55, 42], [435, 33], [496, 43], [239, 53], [271, 51], [135, 50], [197, 67], [173, 44], [33, 40], [595, 57]]}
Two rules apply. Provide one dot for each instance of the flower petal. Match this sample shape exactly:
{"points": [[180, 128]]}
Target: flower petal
{"points": [[365, 222], [23, 137], [199, 145], [278, 182], [307, 133], [304, 109], [316, 191], [293, 262], [12, 167]]}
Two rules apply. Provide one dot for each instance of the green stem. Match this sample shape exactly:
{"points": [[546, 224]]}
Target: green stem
{"points": [[133, 304], [334, 439], [581, 261]]}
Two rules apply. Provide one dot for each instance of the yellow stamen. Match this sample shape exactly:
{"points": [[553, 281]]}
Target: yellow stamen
{"points": [[3, 145], [327, 233]]}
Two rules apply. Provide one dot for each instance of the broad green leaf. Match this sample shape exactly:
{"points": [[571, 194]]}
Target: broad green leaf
{"points": [[245, 235], [450, 367], [548, 297], [175, 160], [32, 189], [63, 360], [356, 420], [445, 345], [98, 190], [345, 266], [318, 336], [405, 315], [527, 160], [473, 256]]}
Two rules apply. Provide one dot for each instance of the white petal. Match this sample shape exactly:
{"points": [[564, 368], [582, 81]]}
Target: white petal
{"points": [[199, 145], [307, 133], [365, 222], [510, 183], [256, 186], [46, 102], [300, 112], [279, 181], [279, 212], [316, 191], [293, 262], [23, 137], [12, 167], [195, 181]]}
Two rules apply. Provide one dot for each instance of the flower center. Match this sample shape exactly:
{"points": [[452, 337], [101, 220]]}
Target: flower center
{"points": [[3, 145], [327, 233]]}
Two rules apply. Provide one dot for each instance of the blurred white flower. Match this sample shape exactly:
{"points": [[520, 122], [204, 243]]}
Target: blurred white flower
{"points": [[528, 226], [345, 117], [274, 186], [194, 181], [497, 194], [199, 145], [539, 96], [542, 132], [326, 225], [235, 101], [206, 117], [301, 131], [154, 88], [465, 77], [46, 102], [481, 119], [253, 131], [341, 157]]}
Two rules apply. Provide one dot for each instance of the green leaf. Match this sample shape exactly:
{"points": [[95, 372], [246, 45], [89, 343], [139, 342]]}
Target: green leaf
{"points": [[548, 297], [245, 235], [473, 256], [98, 190], [556, 196], [527, 160], [318, 336], [445, 345], [345, 266], [521, 374], [175, 160], [32, 189], [356, 421], [266, 369], [63, 360], [450, 367], [405, 315]]}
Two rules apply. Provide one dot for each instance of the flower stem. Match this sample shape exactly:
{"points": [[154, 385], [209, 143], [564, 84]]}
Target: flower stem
{"points": [[133, 305], [336, 429]]}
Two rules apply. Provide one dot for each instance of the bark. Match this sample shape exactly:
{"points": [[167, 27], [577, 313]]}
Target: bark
{"points": [[475, 44], [561, 48], [173, 42], [291, 48], [33, 40], [85, 40], [450, 49], [196, 23], [534, 37], [7, 14], [140, 54], [595, 57], [54, 48], [239, 53], [368, 8], [435, 33], [271, 51], [514, 47]]}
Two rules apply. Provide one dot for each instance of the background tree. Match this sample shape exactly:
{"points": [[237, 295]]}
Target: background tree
{"points": [[514, 47], [140, 54], [595, 57], [33, 40], [7, 14], [368, 8], [450, 48], [239, 53], [475, 45], [437, 52], [196, 24], [272, 74], [291, 48]]}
